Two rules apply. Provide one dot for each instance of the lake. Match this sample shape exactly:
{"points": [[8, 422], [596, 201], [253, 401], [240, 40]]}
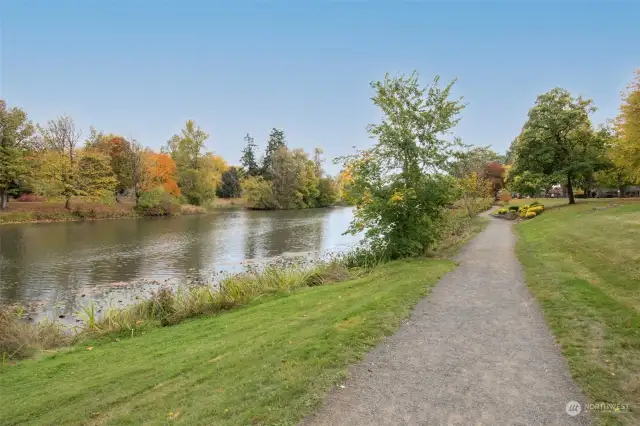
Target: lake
{"points": [[58, 267]]}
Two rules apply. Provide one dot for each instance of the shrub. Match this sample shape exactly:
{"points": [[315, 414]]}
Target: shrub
{"points": [[536, 209], [524, 207], [503, 211], [158, 202], [530, 215], [535, 203], [513, 208]]}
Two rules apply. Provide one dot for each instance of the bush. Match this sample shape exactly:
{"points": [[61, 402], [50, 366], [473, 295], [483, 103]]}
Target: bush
{"points": [[535, 203], [514, 209], [536, 209], [530, 215], [157, 202], [503, 211]]}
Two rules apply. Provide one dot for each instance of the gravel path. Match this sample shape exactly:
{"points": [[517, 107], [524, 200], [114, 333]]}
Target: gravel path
{"points": [[476, 351]]}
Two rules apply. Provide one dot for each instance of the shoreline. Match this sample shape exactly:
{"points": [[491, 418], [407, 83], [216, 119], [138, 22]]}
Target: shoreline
{"points": [[55, 216]]}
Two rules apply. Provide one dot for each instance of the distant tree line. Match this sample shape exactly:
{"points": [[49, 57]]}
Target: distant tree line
{"points": [[53, 160], [286, 178]]}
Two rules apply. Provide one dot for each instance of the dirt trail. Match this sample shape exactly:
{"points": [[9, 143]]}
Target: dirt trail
{"points": [[476, 351]]}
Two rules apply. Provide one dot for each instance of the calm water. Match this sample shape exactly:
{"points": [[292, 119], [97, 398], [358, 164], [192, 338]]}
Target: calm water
{"points": [[64, 265]]}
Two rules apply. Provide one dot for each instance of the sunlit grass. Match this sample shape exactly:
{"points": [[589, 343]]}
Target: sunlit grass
{"points": [[583, 264], [269, 363]]}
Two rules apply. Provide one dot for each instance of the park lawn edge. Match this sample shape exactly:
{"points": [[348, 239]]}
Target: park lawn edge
{"points": [[303, 344], [597, 330]]}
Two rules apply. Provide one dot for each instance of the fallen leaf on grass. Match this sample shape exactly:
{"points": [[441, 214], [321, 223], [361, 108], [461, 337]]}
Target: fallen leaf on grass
{"points": [[90, 348]]}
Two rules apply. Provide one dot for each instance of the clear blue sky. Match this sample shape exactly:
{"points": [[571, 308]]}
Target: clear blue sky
{"points": [[142, 68]]}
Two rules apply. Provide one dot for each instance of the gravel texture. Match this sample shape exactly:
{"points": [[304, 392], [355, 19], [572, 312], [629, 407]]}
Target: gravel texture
{"points": [[476, 351]]}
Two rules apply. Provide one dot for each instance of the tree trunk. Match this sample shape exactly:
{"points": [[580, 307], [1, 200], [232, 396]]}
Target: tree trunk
{"points": [[572, 200], [67, 203], [620, 187], [4, 199]]}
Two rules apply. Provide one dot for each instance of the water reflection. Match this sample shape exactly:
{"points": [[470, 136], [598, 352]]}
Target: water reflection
{"points": [[66, 264]]}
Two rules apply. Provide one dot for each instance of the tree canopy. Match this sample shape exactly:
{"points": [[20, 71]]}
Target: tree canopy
{"points": [[557, 140]]}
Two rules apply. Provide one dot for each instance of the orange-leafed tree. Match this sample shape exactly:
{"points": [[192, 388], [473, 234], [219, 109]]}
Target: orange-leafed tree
{"points": [[160, 171]]}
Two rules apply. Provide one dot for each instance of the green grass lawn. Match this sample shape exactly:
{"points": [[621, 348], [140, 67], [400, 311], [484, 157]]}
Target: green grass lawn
{"points": [[583, 265], [269, 363]]}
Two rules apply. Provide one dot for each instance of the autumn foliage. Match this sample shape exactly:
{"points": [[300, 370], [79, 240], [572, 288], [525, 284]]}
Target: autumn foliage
{"points": [[161, 171]]}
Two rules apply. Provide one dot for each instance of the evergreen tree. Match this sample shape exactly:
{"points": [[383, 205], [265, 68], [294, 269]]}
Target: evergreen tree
{"points": [[248, 159], [230, 185], [275, 142]]}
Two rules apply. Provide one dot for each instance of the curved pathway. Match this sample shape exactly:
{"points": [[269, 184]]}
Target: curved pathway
{"points": [[476, 351]]}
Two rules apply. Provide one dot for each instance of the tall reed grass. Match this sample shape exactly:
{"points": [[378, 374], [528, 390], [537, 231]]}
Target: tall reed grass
{"points": [[21, 339]]}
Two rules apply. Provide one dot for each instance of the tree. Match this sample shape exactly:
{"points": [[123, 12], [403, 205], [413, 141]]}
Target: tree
{"points": [[95, 176], [16, 136], [327, 192], [137, 168], [275, 142], [213, 166], [398, 186], [557, 139], [248, 159], [474, 188], [259, 193], [285, 180], [619, 172], [61, 138], [495, 173], [317, 160], [117, 149], [230, 185], [186, 149], [159, 171], [627, 147]]}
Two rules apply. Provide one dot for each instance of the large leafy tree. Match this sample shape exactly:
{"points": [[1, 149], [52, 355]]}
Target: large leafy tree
{"points": [[620, 171], [117, 149], [398, 185], [557, 140], [16, 136], [95, 176], [626, 153], [248, 160], [187, 150]]}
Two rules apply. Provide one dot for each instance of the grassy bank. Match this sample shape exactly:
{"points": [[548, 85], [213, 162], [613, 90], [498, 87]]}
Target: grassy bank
{"points": [[269, 363], [38, 212], [583, 264]]}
